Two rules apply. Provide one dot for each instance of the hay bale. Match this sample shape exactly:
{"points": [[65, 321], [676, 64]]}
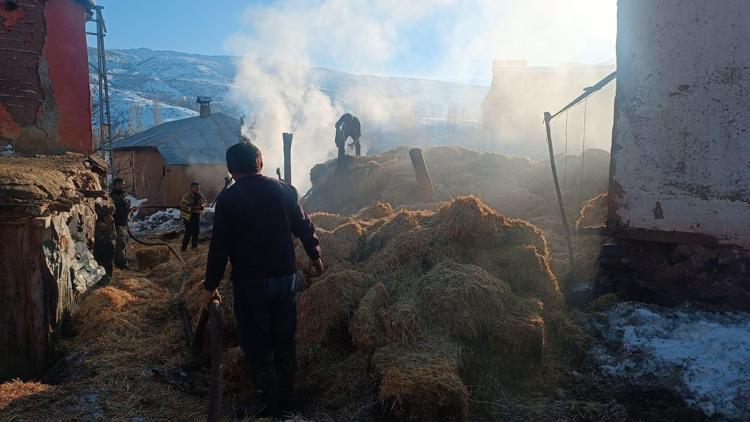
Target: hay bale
{"points": [[150, 257], [378, 210], [378, 236], [524, 268], [366, 327], [463, 301], [469, 305], [325, 308], [16, 389], [336, 380], [408, 254], [418, 385], [328, 221], [401, 322], [341, 244], [98, 312]]}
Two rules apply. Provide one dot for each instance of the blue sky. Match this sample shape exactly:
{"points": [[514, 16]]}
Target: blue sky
{"points": [[446, 39], [180, 25]]}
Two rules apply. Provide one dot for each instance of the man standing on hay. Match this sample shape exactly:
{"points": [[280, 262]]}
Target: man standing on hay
{"points": [[254, 222]]}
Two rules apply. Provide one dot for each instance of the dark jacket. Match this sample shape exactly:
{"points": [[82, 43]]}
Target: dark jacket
{"points": [[122, 208], [254, 222]]}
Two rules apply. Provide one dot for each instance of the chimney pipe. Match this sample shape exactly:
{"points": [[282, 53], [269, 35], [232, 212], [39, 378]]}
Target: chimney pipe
{"points": [[287, 138], [205, 103]]}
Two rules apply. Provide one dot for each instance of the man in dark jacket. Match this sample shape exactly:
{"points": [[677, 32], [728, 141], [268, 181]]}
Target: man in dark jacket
{"points": [[254, 222], [191, 208], [348, 126], [122, 211]]}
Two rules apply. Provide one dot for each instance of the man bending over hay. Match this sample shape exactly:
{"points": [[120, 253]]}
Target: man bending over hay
{"points": [[254, 222]]}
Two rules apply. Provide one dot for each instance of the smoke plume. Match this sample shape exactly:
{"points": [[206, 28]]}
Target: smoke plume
{"points": [[281, 90]]}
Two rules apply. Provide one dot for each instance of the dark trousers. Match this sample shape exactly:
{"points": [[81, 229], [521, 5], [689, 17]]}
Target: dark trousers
{"points": [[192, 228], [266, 314]]}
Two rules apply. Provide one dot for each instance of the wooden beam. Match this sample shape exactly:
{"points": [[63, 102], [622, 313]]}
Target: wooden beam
{"points": [[423, 175]]}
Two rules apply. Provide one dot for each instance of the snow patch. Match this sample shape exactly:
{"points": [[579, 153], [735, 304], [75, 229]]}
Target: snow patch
{"points": [[704, 357], [159, 222]]}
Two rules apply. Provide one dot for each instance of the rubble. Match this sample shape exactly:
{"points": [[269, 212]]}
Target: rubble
{"points": [[704, 357]]}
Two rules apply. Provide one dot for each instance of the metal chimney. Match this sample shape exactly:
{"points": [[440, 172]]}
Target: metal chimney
{"points": [[205, 103]]}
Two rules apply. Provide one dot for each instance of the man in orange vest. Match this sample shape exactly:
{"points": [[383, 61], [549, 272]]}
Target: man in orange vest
{"points": [[191, 208]]}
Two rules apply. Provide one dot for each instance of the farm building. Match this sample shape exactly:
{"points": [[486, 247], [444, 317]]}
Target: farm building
{"points": [[520, 94], [160, 163], [681, 139], [45, 104]]}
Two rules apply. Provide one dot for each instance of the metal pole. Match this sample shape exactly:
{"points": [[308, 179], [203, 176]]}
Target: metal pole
{"points": [[100, 92], [101, 32], [287, 137], [547, 118]]}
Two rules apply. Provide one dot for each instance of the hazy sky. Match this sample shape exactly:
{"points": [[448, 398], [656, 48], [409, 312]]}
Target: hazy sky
{"points": [[448, 39]]}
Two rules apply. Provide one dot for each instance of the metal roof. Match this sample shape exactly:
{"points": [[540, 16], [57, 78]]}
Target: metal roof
{"points": [[194, 140]]}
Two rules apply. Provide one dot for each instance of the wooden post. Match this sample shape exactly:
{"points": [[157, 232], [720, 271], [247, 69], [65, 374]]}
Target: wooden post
{"points": [[287, 137], [423, 176], [547, 118]]}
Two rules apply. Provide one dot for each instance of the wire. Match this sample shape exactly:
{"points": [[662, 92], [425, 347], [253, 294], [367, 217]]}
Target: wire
{"points": [[565, 157], [583, 148]]}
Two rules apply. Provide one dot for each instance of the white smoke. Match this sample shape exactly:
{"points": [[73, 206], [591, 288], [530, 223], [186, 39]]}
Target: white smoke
{"points": [[278, 87]]}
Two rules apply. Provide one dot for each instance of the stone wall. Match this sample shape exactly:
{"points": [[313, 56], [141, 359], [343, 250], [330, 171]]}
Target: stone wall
{"points": [[47, 222]]}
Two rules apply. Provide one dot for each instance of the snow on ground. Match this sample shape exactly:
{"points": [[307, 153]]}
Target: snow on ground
{"points": [[159, 222], [168, 220], [704, 357]]}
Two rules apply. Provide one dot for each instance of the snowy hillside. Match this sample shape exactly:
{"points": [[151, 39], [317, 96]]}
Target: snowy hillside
{"points": [[143, 77]]}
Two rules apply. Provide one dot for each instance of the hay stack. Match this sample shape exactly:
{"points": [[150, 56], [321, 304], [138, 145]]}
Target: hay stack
{"points": [[379, 210], [417, 305], [16, 390], [327, 220], [421, 385], [327, 306]]}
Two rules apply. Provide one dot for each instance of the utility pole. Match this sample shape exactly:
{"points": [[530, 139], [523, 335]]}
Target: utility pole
{"points": [[105, 118]]}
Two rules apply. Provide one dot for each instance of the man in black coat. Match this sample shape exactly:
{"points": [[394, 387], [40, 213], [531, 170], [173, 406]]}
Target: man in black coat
{"points": [[255, 220], [121, 216]]}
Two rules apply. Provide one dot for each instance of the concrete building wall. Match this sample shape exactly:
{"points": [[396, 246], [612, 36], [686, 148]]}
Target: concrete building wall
{"points": [[45, 104], [681, 143]]}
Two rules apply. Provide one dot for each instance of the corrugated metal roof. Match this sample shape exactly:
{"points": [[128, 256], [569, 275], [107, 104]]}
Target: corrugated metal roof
{"points": [[194, 140]]}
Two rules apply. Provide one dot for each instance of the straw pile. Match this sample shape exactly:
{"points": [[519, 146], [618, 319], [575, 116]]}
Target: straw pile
{"points": [[417, 309], [515, 186], [420, 316], [126, 331]]}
